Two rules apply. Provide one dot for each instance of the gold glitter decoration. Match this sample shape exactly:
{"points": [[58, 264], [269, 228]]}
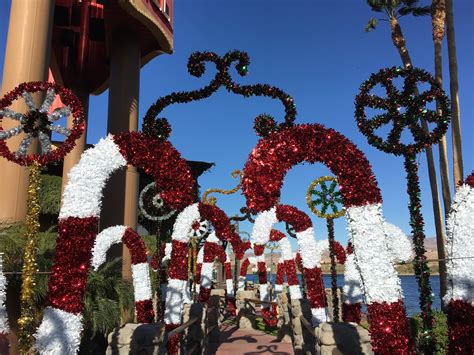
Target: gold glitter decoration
{"points": [[334, 198], [212, 200], [26, 322]]}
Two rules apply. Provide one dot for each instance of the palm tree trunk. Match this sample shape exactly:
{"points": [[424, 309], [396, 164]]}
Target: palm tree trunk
{"points": [[438, 15], [458, 169], [399, 43]]}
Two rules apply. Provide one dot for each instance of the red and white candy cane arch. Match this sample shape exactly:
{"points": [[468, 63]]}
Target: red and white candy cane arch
{"points": [[177, 293], [460, 269], [264, 172], [59, 332]]}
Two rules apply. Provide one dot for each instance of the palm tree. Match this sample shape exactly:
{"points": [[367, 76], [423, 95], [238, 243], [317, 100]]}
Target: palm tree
{"points": [[458, 173]]}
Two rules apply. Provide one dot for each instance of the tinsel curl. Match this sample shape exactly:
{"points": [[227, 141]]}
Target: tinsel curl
{"points": [[4, 327], [270, 315], [277, 153], [461, 327], [26, 322], [351, 312], [39, 123], [392, 333], [196, 67]]}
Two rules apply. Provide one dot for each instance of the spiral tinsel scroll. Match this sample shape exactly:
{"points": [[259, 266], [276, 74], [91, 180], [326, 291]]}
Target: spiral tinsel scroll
{"points": [[212, 200], [414, 107], [36, 123], [196, 67], [328, 198]]}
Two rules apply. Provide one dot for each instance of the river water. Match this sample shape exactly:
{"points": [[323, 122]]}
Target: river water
{"points": [[409, 286]]}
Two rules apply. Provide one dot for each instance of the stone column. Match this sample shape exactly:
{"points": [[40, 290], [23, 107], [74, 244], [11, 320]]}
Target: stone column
{"points": [[27, 58], [121, 193]]}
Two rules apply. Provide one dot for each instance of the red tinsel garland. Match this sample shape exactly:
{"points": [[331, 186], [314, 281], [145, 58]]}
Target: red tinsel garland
{"points": [[67, 282], [173, 343], [392, 330], [315, 287], [351, 312], [280, 274], [299, 220], [340, 252], [228, 271], [178, 269], [243, 268], [270, 316], [277, 153], [461, 327], [290, 270], [262, 272], [144, 311], [135, 245], [170, 171]]}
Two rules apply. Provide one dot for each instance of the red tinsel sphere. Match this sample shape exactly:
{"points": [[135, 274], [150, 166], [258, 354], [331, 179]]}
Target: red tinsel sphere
{"points": [[163, 162], [389, 331], [69, 99], [67, 282], [461, 327], [277, 153]]}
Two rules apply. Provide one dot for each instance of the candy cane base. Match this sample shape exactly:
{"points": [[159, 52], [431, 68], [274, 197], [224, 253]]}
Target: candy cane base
{"points": [[461, 327]]}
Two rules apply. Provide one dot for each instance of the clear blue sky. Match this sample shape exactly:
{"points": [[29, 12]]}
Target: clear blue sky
{"points": [[318, 52]]}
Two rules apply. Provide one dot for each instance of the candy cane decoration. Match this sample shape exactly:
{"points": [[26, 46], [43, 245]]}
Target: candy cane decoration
{"points": [[309, 249], [352, 291], [264, 173], [243, 271], [60, 330], [229, 281], [212, 249], [460, 269]]}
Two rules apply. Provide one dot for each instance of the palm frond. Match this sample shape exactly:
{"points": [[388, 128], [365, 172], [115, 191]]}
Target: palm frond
{"points": [[371, 25], [376, 5]]}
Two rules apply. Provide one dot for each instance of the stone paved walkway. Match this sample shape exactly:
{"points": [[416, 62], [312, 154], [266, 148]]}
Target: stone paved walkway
{"points": [[247, 342]]}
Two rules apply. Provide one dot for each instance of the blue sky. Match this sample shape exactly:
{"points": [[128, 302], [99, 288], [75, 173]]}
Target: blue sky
{"points": [[318, 52]]}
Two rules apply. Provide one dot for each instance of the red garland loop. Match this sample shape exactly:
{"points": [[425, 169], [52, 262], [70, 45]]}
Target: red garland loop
{"points": [[67, 283], [299, 220], [173, 343], [290, 270], [270, 316], [69, 99], [228, 271], [244, 267], [277, 153], [136, 245], [340, 252], [351, 312], [280, 274], [389, 329], [231, 308], [169, 170], [276, 235], [178, 269], [461, 327], [315, 287], [258, 249], [262, 272], [145, 312]]}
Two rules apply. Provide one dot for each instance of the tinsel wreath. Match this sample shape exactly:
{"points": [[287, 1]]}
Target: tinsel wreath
{"points": [[406, 109], [460, 269], [264, 173]]}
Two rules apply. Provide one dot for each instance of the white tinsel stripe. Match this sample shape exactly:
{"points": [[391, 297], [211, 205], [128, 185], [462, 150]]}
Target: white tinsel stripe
{"points": [[229, 283], [309, 250], [399, 246], [174, 301], [184, 223], [59, 333], [168, 248], [352, 284], [295, 292], [200, 256], [264, 296], [263, 225], [4, 327], [206, 274], [319, 316], [286, 252], [367, 233], [141, 282], [460, 246], [103, 241], [82, 195]]}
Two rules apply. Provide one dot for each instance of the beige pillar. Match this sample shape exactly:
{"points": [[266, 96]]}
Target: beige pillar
{"points": [[26, 59], [121, 192], [73, 157]]}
